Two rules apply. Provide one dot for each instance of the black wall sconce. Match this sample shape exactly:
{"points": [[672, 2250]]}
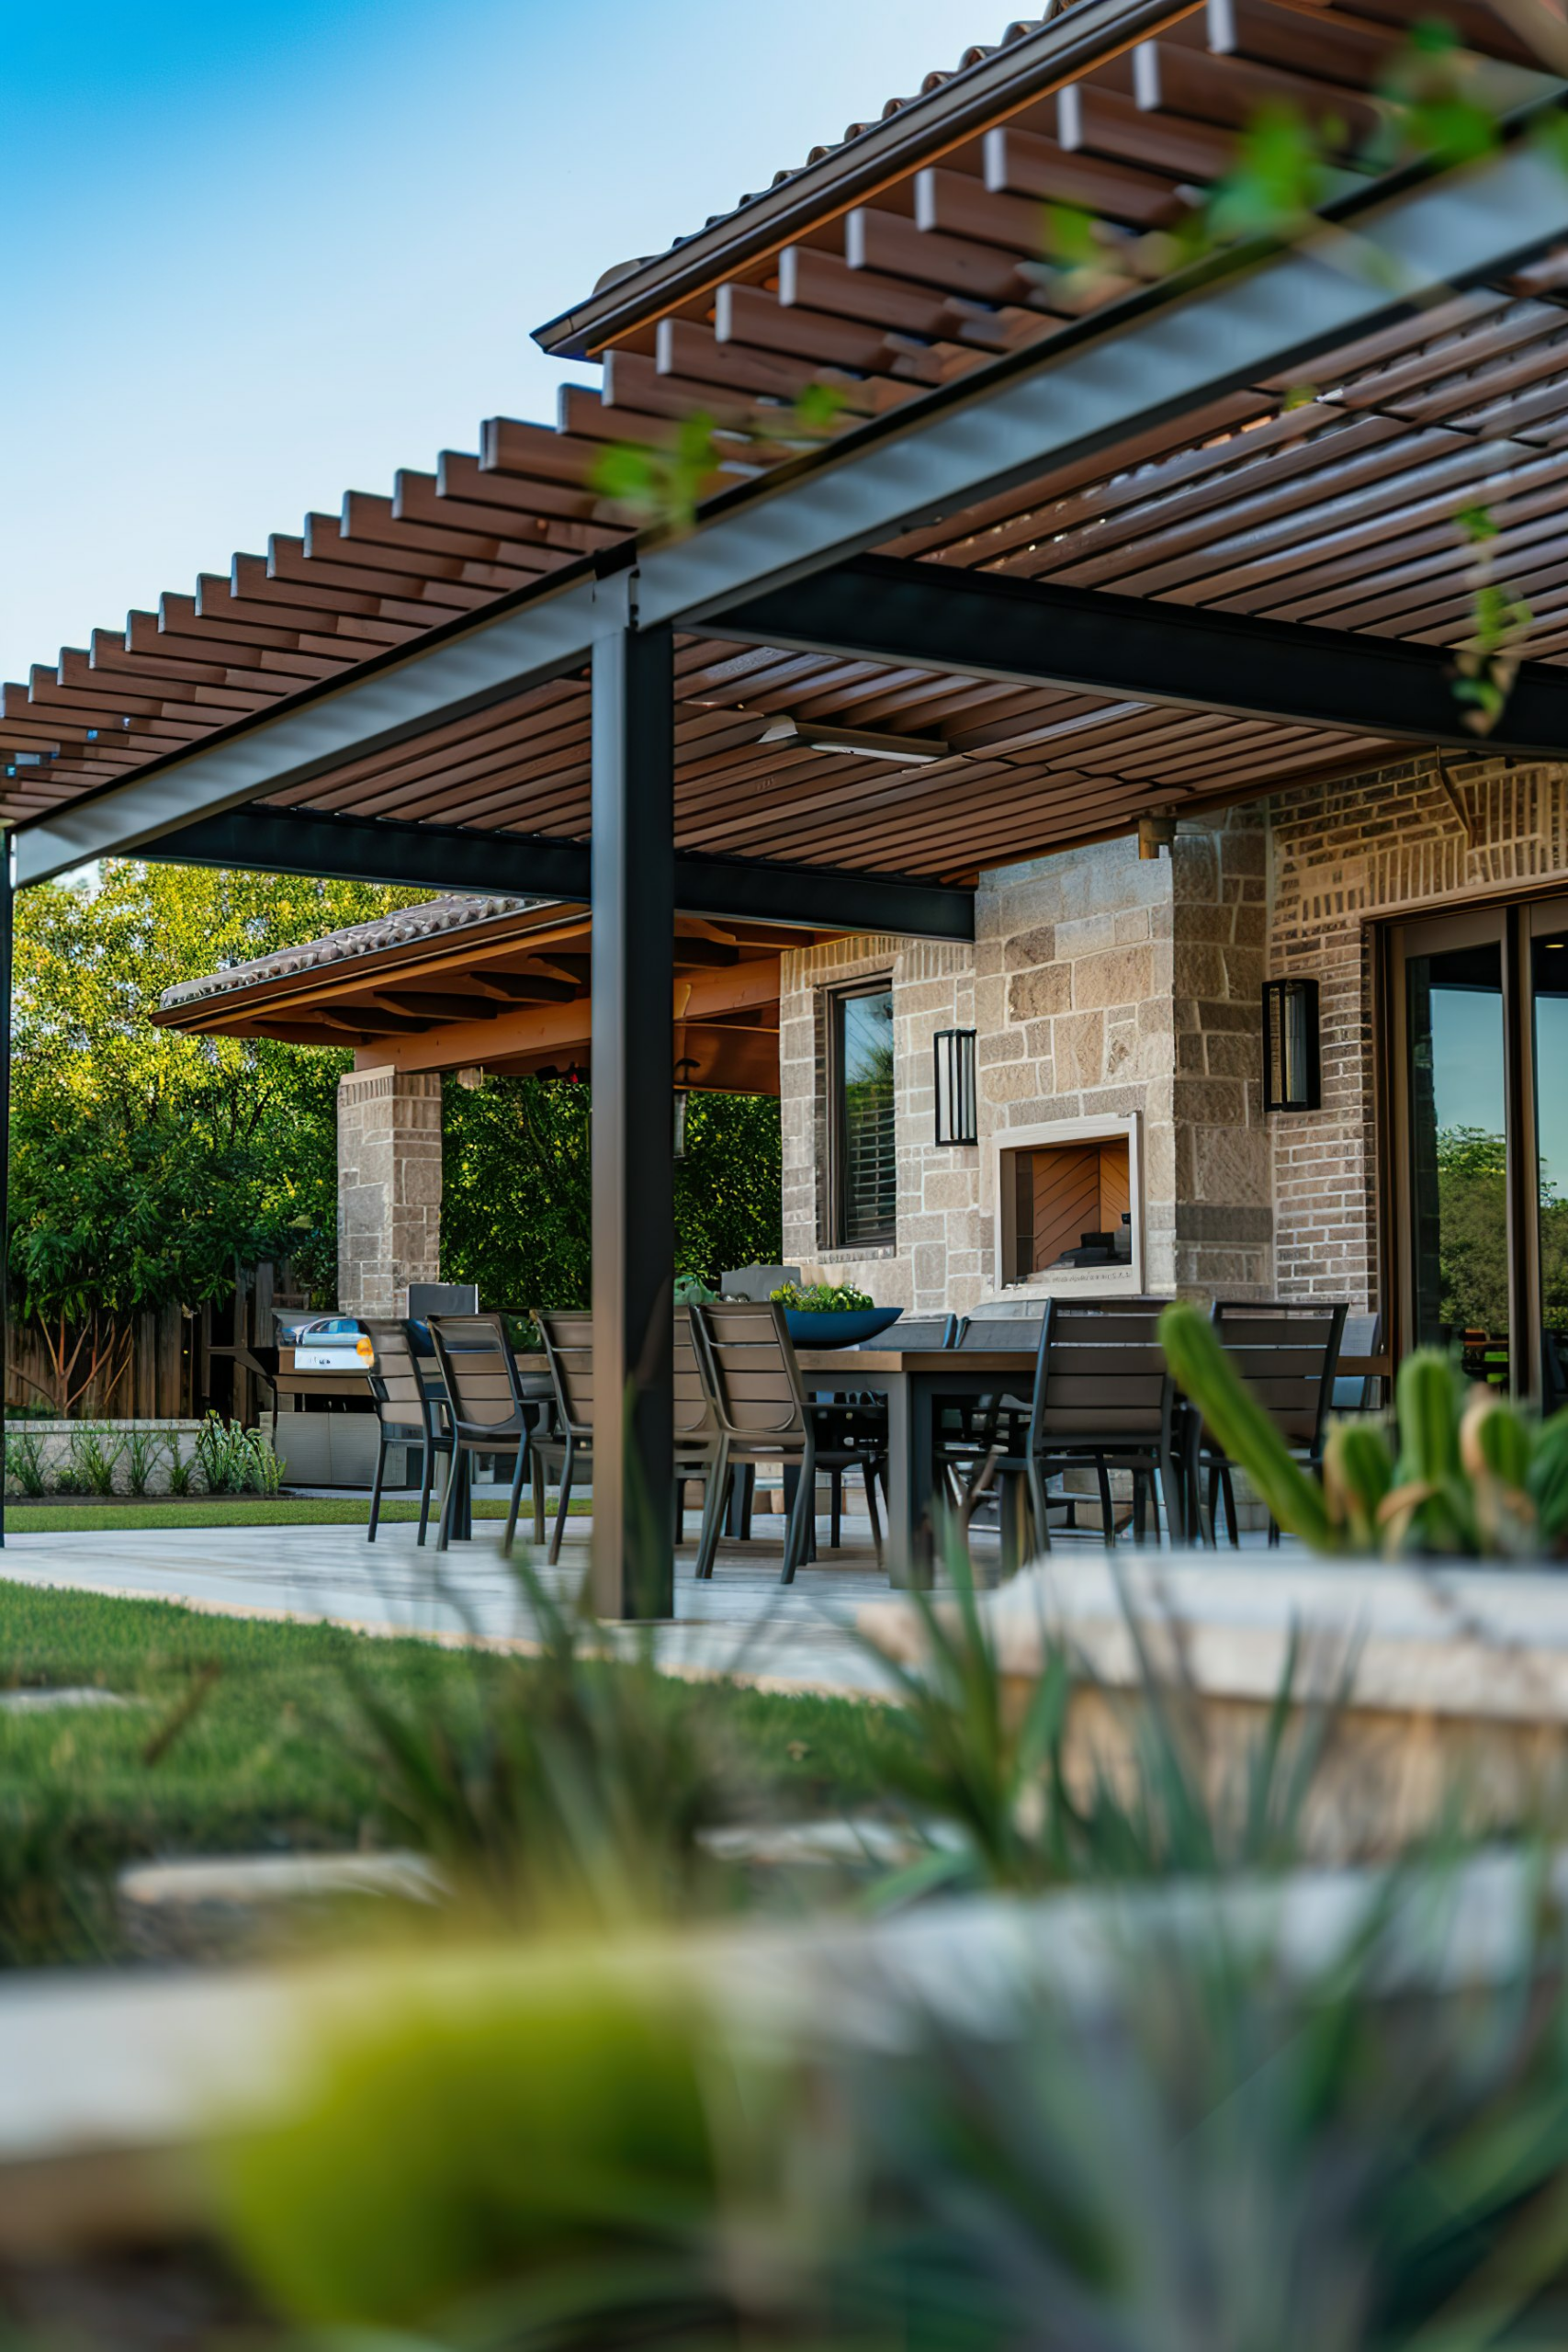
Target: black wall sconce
{"points": [[681, 1099], [956, 1114], [1293, 1069]]}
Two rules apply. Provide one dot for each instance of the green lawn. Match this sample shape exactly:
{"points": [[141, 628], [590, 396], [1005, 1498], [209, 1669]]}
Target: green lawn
{"points": [[222, 1510], [275, 1753]]}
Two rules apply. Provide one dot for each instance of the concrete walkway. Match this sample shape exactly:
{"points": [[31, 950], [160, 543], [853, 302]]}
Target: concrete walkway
{"points": [[743, 1622]]}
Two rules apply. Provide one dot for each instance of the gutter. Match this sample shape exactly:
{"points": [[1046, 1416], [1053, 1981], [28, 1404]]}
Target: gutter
{"points": [[973, 100]]}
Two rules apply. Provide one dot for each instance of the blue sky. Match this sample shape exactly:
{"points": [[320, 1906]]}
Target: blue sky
{"points": [[259, 255]]}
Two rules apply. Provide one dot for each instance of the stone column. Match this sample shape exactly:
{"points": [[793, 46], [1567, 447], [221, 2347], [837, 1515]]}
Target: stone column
{"points": [[388, 1188], [1224, 1215]]}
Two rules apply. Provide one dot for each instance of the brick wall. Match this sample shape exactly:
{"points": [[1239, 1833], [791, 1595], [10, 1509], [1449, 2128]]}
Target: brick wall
{"points": [[1404, 838], [389, 1132]]}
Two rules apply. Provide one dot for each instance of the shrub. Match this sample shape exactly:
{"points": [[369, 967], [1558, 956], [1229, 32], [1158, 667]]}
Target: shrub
{"points": [[25, 1471], [144, 1450], [92, 1455], [233, 1460]]}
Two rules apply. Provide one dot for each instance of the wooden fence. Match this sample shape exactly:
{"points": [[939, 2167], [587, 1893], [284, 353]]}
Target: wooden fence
{"points": [[173, 1372]]}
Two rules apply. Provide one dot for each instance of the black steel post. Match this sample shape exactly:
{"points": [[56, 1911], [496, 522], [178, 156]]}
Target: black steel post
{"points": [[633, 1205], [6, 900]]}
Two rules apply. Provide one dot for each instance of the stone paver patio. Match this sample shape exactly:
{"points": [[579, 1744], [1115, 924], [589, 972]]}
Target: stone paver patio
{"points": [[743, 1622]]}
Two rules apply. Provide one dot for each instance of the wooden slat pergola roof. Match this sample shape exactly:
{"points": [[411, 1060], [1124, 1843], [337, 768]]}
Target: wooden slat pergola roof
{"points": [[1333, 513]]}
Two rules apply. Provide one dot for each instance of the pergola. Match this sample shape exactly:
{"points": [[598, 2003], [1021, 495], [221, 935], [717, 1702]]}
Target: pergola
{"points": [[1144, 555]]}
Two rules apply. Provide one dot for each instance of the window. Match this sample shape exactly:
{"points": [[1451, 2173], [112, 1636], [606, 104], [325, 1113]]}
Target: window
{"points": [[864, 1165]]}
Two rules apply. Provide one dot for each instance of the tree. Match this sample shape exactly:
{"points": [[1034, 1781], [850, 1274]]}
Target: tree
{"points": [[146, 1164], [516, 1210]]}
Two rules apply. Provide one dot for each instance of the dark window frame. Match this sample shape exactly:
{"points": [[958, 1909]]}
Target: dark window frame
{"points": [[837, 1109]]}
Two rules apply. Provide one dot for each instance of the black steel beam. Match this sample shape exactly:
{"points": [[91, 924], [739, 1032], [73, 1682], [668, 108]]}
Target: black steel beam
{"points": [[633, 1172], [358, 849], [446, 857], [927, 616]]}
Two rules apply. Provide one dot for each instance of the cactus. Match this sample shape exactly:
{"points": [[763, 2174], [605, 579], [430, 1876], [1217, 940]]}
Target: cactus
{"points": [[1475, 1477], [1205, 1373], [1357, 1478], [1547, 1484]]}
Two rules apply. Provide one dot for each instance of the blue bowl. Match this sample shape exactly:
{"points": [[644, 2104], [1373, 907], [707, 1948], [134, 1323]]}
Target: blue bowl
{"points": [[843, 1329]]}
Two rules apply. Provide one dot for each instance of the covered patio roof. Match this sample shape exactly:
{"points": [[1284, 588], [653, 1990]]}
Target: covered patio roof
{"points": [[501, 984], [1083, 550]]}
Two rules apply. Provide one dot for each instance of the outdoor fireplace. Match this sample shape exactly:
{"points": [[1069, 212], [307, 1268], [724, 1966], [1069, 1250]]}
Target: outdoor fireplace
{"points": [[1069, 1207]]}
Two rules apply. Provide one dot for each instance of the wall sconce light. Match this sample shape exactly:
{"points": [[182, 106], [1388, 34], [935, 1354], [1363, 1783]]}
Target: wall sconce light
{"points": [[683, 1097], [956, 1112], [1292, 1072]]}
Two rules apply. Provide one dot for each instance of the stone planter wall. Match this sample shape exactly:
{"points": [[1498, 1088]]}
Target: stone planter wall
{"points": [[55, 1440]]}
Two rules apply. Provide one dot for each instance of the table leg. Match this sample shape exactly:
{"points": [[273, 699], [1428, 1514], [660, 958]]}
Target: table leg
{"points": [[909, 1484]]}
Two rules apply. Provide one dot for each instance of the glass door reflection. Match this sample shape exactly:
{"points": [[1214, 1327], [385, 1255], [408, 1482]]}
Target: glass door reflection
{"points": [[1548, 997], [1458, 1146]]}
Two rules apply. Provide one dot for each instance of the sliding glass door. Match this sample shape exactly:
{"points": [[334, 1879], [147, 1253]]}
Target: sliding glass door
{"points": [[1480, 1055]]}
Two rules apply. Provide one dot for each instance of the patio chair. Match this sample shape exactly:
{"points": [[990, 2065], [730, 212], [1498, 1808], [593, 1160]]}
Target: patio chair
{"points": [[695, 1430], [1102, 1399], [408, 1414], [865, 1417], [762, 1413], [1285, 1351], [485, 1406], [970, 1428], [1356, 1392], [569, 1351]]}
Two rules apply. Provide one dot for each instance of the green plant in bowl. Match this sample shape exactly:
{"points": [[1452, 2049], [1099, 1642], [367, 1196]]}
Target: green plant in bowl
{"points": [[822, 1298]]}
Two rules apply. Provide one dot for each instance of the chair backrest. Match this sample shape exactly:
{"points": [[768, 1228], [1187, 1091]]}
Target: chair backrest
{"points": [[401, 1395], [476, 1361], [1358, 1392], [569, 1351], [1102, 1373], [426, 1299], [999, 1331], [749, 1368], [1286, 1351], [693, 1409], [914, 1331]]}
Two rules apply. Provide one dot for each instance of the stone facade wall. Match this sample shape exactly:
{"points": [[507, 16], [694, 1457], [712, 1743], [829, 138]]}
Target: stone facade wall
{"points": [[388, 1188], [1405, 839], [1100, 984], [942, 1241]]}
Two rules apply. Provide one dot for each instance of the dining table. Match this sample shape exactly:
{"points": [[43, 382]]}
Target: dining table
{"points": [[916, 1382]]}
